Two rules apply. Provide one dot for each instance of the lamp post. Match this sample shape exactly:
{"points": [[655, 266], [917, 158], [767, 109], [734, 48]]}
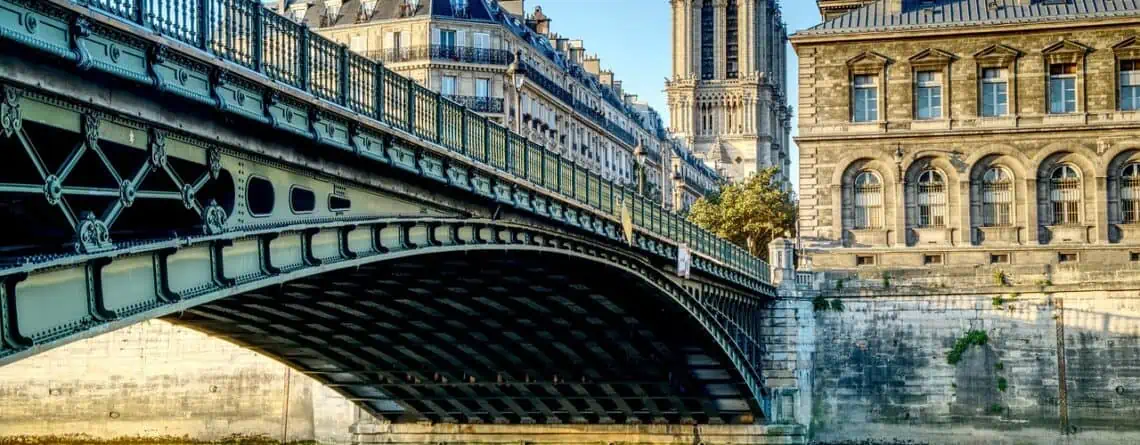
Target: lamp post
{"points": [[639, 154], [515, 72]]}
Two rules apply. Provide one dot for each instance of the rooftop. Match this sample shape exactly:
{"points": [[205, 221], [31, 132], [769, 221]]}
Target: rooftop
{"points": [[927, 14]]}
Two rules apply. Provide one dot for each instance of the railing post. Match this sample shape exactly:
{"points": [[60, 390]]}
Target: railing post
{"points": [[378, 74], [144, 9], [438, 118], [486, 139], [411, 105], [343, 62], [303, 39], [258, 46], [526, 160], [463, 133], [204, 32]]}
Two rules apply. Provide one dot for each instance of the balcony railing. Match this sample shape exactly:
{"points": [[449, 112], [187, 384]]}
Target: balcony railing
{"points": [[536, 76], [479, 103], [465, 54], [601, 120]]}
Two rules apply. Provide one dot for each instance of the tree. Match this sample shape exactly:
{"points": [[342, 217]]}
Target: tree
{"points": [[750, 213]]}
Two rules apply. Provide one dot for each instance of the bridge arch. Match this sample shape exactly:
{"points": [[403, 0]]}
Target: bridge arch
{"points": [[593, 355]]}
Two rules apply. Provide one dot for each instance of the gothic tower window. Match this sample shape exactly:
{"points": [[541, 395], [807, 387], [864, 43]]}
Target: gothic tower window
{"points": [[732, 42], [1065, 195], [1130, 193], [997, 198], [708, 41], [931, 199], [868, 201]]}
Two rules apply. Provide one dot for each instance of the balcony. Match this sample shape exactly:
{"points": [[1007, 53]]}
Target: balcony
{"points": [[554, 89], [601, 120], [464, 54], [479, 104]]}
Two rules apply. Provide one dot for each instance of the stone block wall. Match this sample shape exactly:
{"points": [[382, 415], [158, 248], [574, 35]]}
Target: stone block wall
{"points": [[881, 367], [156, 379]]}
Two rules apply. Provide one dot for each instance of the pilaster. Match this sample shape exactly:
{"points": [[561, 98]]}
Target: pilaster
{"points": [[720, 11]]}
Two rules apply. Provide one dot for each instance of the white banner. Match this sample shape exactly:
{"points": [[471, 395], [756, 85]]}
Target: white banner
{"points": [[684, 261]]}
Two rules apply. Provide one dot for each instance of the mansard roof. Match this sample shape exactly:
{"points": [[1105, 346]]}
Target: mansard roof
{"points": [[925, 14]]}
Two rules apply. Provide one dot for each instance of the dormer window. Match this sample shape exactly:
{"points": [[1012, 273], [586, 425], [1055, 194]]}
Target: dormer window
{"points": [[298, 13], [459, 7], [332, 10], [367, 7]]}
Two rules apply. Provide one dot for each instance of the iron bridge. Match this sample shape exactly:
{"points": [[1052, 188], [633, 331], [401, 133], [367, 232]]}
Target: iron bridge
{"points": [[222, 167]]}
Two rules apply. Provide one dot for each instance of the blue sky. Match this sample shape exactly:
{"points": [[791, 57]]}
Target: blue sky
{"points": [[632, 37]]}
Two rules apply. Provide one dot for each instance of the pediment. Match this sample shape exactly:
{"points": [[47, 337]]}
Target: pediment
{"points": [[1130, 47], [932, 56], [867, 59], [997, 51], [1066, 47]]}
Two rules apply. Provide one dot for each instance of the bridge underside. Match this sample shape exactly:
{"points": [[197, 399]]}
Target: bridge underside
{"points": [[489, 337]]}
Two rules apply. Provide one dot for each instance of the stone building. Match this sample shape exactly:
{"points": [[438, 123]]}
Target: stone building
{"points": [[728, 92], [493, 57], [966, 132]]}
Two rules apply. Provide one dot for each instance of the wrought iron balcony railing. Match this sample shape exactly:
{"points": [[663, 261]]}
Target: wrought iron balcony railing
{"points": [[536, 76], [601, 120], [465, 54], [478, 103]]}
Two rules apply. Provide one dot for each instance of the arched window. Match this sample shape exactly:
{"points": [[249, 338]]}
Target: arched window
{"points": [[997, 198], [1065, 195], [868, 201], [1130, 193], [931, 199]]}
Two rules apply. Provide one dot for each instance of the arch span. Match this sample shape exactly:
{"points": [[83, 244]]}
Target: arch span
{"points": [[441, 320]]}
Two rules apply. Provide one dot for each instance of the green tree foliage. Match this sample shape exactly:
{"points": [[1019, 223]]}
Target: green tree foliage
{"points": [[750, 213]]}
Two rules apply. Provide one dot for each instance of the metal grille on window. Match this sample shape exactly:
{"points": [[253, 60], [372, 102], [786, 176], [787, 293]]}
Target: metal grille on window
{"points": [[997, 198], [931, 199], [1130, 193], [1065, 195], [868, 201]]}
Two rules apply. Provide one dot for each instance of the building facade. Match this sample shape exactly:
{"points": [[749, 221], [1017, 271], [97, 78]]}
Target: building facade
{"points": [[494, 58], [966, 132], [728, 91]]}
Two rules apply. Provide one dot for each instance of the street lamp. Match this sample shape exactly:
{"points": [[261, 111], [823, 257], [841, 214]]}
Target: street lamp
{"points": [[515, 72], [639, 154]]}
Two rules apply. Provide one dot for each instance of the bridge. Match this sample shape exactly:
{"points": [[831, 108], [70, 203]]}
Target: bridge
{"points": [[222, 167]]}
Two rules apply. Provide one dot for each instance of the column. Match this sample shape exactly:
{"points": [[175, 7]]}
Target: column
{"points": [[694, 30], [744, 33], [720, 27], [760, 62], [678, 37]]}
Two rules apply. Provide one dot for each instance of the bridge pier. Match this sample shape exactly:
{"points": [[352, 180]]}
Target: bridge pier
{"points": [[466, 434]]}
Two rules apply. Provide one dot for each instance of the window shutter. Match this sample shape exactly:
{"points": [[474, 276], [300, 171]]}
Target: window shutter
{"points": [[435, 36], [389, 39], [461, 38]]}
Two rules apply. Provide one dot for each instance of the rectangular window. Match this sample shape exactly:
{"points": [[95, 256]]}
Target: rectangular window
{"points": [[482, 87], [928, 94], [447, 85], [999, 258], [447, 38], [482, 40], [1063, 88], [1066, 257], [1134, 257], [1130, 85], [864, 260], [866, 98], [995, 96], [931, 259]]}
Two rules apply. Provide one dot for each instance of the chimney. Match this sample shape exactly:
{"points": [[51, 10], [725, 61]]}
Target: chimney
{"points": [[281, 6], [577, 51], [541, 22], [605, 77], [514, 7], [617, 87], [592, 65], [830, 9]]}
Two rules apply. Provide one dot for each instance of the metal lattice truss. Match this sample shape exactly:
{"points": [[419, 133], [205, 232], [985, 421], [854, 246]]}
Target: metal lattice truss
{"points": [[93, 232]]}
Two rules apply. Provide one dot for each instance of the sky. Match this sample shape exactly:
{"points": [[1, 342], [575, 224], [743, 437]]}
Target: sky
{"points": [[633, 39]]}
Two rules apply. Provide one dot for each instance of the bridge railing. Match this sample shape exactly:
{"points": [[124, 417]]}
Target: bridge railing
{"points": [[245, 33]]}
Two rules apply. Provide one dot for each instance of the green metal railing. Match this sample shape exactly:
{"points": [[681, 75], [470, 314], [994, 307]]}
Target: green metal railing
{"points": [[244, 33]]}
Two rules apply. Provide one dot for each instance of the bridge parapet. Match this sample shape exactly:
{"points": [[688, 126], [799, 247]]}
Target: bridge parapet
{"points": [[256, 65]]}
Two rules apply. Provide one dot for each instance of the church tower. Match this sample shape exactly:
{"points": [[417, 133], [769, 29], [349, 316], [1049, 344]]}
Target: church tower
{"points": [[728, 94]]}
